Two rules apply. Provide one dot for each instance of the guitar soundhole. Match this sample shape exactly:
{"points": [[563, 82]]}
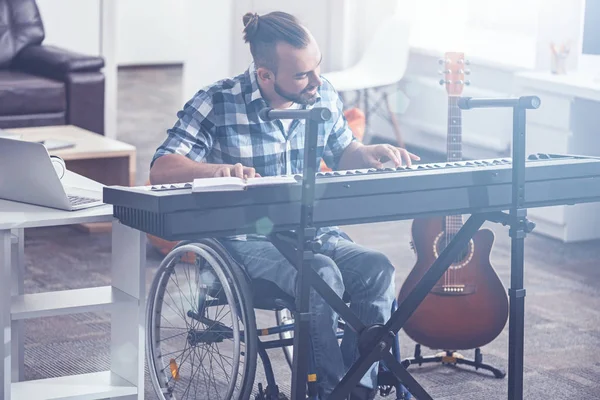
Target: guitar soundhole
{"points": [[464, 257]]}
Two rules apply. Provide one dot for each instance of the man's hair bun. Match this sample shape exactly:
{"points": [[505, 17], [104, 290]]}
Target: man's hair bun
{"points": [[250, 26]]}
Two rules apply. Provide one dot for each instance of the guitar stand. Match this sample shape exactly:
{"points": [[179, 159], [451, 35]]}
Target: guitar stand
{"points": [[375, 341], [455, 358]]}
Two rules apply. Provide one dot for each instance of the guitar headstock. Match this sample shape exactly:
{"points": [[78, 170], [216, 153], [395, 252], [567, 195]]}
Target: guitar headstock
{"points": [[454, 71]]}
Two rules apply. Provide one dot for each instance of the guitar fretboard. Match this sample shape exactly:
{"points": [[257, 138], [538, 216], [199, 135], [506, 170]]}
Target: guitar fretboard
{"points": [[454, 153], [454, 138]]}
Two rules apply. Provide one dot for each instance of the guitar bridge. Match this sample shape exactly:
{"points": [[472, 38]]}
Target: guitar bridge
{"points": [[453, 290]]}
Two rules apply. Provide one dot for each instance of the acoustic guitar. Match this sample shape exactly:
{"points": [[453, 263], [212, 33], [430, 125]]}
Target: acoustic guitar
{"points": [[468, 306]]}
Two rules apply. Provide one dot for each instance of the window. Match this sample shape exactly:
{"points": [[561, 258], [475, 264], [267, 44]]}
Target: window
{"points": [[502, 32]]}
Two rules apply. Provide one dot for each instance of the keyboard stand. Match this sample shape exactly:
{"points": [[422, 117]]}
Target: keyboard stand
{"points": [[375, 341]]}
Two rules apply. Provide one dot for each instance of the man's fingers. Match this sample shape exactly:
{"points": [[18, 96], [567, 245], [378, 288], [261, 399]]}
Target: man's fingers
{"points": [[406, 157], [250, 172], [392, 153], [414, 156], [226, 172], [238, 170]]}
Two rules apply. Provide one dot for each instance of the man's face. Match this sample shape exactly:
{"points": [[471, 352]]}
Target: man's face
{"points": [[297, 77]]}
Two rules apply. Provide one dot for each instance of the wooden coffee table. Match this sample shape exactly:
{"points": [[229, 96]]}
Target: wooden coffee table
{"points": [[94, 156]]}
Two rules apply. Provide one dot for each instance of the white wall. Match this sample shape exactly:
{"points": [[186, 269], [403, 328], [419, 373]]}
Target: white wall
{"points": [[79, 33], [148, 32], [153, 32], [208, 55]]}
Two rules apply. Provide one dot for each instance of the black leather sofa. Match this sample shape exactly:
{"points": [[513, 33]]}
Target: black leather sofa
{"points": [[45, 85]]}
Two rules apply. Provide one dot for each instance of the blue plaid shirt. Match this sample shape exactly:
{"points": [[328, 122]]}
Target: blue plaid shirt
{"points": [[220, 125]]}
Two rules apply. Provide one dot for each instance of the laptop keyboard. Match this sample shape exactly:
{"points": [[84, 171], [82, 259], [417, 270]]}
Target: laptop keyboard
{"points": [[79, 200]]}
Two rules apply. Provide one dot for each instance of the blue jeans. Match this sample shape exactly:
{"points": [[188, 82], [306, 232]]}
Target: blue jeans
{"points": [[367, 276]]}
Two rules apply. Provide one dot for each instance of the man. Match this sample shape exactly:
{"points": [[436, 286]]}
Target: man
{"points": [[219, 133]]}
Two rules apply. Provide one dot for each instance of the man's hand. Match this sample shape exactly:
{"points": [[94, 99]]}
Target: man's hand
{"points": [[376, 155], [236, 170]]}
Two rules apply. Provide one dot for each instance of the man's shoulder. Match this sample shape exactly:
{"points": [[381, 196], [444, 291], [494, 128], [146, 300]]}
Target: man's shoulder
{"points": [[327, 91], [226, 89]]}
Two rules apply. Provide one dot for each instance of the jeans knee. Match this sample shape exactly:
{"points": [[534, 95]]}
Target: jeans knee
{"points": [[327, 269], [381, 272]]}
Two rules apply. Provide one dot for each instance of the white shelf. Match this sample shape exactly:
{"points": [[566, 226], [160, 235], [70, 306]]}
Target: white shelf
{"points": [[572, 84], [99, 385], [97, 299]]}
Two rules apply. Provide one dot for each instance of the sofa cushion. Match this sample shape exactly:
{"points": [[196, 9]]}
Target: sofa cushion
{"points": [[22, 93], [20, 26]]}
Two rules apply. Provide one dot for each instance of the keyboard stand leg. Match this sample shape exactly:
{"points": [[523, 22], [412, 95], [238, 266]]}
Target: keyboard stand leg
{"points": [[376, 341]]}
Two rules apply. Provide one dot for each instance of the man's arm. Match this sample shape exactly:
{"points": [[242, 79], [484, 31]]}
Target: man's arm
{"points": [[175, 168], [351, 157], [180, 157]]}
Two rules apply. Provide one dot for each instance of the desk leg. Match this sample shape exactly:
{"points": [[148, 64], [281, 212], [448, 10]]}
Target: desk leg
{"points": [[17, 288], [128, 330], [5, 301]]}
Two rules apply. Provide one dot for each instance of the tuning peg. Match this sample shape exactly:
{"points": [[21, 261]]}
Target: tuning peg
{"points": [[467, 72], [467, 62], [445, 82], [467, 83], [461, 61], [442, 81], [459, 82], [443, 61]]}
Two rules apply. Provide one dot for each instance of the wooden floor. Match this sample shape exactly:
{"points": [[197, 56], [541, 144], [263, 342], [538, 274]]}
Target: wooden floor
{"points": [[562, 305]]}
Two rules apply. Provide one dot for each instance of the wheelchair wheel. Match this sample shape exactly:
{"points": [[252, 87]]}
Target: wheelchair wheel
{"points": [[285, 317], [200, 326]]}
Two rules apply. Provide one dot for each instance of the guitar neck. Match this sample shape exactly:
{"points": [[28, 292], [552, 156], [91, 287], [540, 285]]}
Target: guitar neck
{"points": [[454, 153], [454, 136]]}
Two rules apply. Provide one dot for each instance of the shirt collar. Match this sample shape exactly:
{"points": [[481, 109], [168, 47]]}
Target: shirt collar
{"points": [[253, 90]]}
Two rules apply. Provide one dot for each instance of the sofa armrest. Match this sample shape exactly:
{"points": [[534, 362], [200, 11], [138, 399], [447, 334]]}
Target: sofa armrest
{"points": [[55, 62], [85, 106]]}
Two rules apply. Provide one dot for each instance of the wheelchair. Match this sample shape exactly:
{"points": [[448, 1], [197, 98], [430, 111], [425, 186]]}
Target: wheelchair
{"points": [[202, 339]]}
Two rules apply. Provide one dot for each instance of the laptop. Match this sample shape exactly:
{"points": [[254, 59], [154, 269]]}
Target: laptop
{"points": [[27, 175]]}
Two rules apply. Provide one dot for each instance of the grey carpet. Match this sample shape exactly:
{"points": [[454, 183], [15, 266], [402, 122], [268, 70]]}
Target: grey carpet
{"points": [[562, 282]]}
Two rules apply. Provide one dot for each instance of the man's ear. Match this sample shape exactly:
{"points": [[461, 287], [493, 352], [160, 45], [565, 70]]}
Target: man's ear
{"points": [[264, 74]]}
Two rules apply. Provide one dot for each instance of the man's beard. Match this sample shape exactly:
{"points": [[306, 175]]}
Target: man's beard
{"points": [[301, 98]]}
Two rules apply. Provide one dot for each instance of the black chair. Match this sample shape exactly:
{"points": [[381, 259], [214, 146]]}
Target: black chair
{"points": [[45, 85]]}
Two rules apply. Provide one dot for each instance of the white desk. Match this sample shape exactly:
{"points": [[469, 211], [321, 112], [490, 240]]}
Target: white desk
{"points": [[567, 122], [125, 299]]}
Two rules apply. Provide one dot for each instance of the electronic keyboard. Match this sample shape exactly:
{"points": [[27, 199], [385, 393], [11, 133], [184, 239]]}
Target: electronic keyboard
{"points": [[174, 212]]}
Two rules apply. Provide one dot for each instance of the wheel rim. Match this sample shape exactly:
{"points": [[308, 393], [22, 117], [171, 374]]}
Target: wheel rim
{"points": [[186, 331]]}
